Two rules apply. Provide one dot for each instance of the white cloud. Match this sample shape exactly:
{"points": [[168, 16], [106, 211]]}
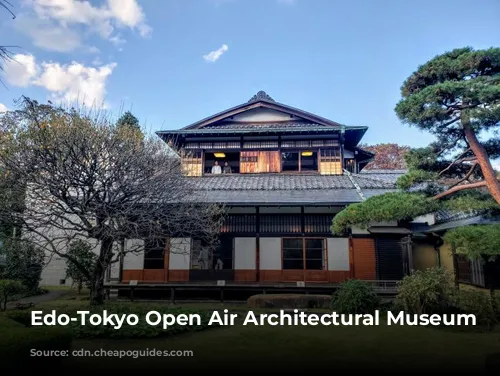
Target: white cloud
{"points": [[61, 17], [3, 108], [67, 83], [48, 35], [213, 56], [21, 70]]}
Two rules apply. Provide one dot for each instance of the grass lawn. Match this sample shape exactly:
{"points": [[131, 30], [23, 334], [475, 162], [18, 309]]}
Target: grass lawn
{"points": [[250, 349]]}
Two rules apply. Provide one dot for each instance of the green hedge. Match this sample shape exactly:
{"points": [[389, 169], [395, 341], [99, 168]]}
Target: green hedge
{"points": [[18, 341], [141, 330]]}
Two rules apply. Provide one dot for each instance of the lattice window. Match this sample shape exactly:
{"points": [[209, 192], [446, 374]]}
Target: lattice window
{"points": [[284, 224], [317, 224], [260, 144], [303, 144], [192, 164], [330, 162], [240, 224]]}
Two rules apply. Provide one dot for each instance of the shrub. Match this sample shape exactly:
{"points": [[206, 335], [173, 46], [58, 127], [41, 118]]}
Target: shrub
{"points": [[8, 290], [17, 341], [478, 303], [24, 263], [141, 330], [288, 301], [429, 291], [355, 296], [81, 251]]}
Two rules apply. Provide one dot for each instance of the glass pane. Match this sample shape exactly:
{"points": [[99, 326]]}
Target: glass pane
{"points": [[314, 253], [154, 248], [290, 161], [314, 243], [153, 264], [293, 264], [309, 161], [292, 243], [314, 264], [290, 253]]}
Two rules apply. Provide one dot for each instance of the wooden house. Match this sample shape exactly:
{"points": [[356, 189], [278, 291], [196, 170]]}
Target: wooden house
{"points": [[283, 175]]}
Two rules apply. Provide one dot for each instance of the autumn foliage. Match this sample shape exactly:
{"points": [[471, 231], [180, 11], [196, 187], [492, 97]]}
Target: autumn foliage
{"points": [[387, 156]]}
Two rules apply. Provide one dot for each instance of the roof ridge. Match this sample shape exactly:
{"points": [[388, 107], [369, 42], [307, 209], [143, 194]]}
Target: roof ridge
{"points": [[356, 185]]}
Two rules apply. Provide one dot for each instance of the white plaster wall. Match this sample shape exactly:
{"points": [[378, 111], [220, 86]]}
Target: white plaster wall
{"points": [[244, 253], [429, 218], [338, 254], [348, 154], [261, 114], [134, 258], [359, 231], [54, 271], [270, 253], [180, 254]]}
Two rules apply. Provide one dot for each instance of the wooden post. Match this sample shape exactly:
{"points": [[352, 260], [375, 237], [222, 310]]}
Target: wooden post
{"points": [[257, 245]]}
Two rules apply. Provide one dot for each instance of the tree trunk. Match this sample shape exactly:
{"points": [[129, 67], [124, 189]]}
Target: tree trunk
{"points": [[492, 183], [97, 294], [79, 287]]}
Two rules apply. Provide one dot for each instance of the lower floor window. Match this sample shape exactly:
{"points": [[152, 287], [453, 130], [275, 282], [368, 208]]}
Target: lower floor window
{"points": [[154, 253], [218, 257], [307, 253]]}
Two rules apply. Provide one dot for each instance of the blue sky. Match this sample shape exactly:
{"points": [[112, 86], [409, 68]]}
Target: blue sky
{"points": [[344, 60]]}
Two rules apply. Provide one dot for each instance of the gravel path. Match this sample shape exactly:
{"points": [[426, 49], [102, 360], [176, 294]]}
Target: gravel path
{"points": [[37, 299]]}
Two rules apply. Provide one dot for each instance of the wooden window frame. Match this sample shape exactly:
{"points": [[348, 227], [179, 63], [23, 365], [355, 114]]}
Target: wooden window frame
{"points": [[299, 152], [162, 258], [304, 238]]}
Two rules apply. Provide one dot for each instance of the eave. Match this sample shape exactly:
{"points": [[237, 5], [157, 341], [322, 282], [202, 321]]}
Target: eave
{"points": [[352, 134]]}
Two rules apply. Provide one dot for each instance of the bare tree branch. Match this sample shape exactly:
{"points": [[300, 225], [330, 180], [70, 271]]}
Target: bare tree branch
{"points": [[85, 178]]}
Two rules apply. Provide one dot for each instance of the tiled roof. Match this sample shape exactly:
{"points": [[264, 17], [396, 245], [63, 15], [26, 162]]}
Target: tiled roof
{"points": [[286, 188], [279, 197], [443, 216], [270, 182], [466, 220], [389, 176]]}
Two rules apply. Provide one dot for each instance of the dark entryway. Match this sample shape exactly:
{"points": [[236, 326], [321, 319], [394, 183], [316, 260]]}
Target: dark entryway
{"points": [[389, 257], [212, 265]]}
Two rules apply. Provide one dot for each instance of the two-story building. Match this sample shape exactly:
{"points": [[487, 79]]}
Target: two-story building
{"points": [[282, 173]]}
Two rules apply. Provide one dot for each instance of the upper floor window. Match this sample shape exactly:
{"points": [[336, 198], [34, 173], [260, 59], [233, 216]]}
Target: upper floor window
{"points": [[324, 161], [299, 161]]}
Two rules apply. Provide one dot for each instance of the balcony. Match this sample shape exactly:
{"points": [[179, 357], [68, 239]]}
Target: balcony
{"points": [[313, 161]]}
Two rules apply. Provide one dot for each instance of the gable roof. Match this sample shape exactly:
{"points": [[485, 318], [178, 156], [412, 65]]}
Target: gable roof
{"points": [[259, 100], [302, 122]]}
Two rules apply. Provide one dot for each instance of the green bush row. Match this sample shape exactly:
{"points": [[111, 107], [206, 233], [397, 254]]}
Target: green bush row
{"points": [[423, 292], [141, 330]]}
